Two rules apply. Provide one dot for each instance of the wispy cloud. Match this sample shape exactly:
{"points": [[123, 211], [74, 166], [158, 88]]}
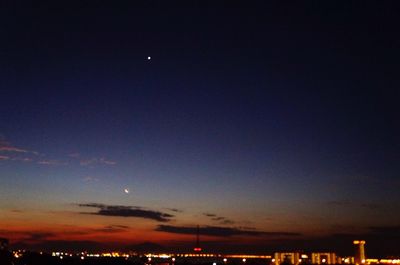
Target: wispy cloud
{"points": [[51, 162], [96, 161], [4, 157], [174, 210], [13, 153], [91, 161], [7, 147], [22, 159], [225, 221], [39, 236], [209, 214], [247, 228], [113, 229], [107, 162], [18, 154], [219, 231], [16, 211], [28, 236], [127, 211], [220, 219]]}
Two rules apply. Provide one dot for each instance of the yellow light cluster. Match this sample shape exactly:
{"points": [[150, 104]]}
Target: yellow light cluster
{"points": [[93, 255], [60, 254], [162, 256], [112, 254], [249, 256], [199, 255], [390, 261], [19, 253]]}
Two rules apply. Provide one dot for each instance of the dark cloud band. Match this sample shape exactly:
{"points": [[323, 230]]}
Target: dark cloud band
{"points": [[127, 211], [218, 231]]}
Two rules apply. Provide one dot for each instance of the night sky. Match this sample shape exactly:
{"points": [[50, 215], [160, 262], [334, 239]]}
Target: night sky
{"points": [[272, 126]]}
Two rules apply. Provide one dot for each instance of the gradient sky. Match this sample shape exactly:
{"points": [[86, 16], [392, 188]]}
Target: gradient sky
{"points": [[271, 126]]}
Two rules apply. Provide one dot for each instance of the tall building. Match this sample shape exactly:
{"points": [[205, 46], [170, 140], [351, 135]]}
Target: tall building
{"points": [[359, 257]]}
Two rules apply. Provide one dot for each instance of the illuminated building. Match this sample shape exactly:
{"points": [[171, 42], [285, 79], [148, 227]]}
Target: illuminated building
{"points": [[323, 258], [359, 257], [287, 257]]}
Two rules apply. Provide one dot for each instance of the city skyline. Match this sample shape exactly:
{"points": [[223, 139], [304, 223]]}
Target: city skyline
{"points": [[269, 126]]}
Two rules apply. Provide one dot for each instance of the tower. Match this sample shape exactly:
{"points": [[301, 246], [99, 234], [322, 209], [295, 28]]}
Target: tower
{"points": [[359, 257], [197, 248]]}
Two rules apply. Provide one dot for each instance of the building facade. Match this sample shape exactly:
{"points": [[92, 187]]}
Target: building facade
{"points": [[287, 257], [323, 258]]}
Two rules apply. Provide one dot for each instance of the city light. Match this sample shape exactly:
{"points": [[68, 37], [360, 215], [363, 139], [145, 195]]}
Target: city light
{"points": [[296, 258]]}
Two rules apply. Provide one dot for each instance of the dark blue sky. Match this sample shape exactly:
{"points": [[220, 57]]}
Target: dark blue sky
{"points": [[276, 117]]}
